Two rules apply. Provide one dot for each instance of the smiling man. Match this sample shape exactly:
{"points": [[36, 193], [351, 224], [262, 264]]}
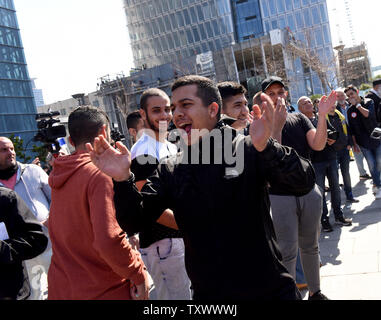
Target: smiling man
{"points": [[162, 248], [209, 206], [234, 103]]}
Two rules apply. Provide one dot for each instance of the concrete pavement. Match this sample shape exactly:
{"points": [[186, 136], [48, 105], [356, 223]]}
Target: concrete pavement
{"points": [[351, 256]]}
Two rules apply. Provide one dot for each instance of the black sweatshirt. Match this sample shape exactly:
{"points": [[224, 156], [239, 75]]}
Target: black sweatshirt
{"points": [[26, 241], [230, 248]]}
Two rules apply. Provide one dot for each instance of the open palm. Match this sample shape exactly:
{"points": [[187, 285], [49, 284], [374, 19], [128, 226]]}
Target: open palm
{"points": [[115, 163], [326, 103], [261, 127]]}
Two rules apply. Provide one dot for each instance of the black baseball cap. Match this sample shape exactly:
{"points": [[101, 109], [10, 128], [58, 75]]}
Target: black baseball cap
{"points": [[376, 82], [270, 81]]}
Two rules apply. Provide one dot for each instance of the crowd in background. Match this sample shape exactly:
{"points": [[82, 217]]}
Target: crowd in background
{"points": [[110, 223]]}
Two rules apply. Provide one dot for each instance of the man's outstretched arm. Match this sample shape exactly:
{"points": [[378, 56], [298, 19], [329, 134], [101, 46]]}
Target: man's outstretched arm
{"points": [[131, 214]]}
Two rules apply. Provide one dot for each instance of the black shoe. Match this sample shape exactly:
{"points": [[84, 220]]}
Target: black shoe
{"points": [[343, 221], [353, 200], [365, 177], [318, 296], [326, 226]]}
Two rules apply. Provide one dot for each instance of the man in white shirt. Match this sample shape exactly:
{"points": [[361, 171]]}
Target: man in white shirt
{"points": [[162, 248]]}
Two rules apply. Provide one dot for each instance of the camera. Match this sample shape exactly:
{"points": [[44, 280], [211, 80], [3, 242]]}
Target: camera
{"points": [[376, 134], [117, 136], [47, 133], [333, 135]]}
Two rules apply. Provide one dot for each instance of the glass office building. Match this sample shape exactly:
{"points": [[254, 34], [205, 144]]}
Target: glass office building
{"points": [[17, 106], [247, 19], [308, 21], [163, 31]]}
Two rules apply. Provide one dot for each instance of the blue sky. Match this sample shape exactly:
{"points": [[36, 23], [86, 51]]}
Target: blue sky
{"points": [[69, 44]]}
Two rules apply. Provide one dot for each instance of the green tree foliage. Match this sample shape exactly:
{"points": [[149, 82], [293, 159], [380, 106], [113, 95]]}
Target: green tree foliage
{"points": [[315, 96], [40, 151], [365, 87]]}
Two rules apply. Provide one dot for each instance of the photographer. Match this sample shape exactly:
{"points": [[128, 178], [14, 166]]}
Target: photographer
{"points": [[362, 123], [325, 165]]}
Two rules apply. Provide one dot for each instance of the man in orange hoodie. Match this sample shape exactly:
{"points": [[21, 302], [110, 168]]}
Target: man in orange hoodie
{"points": [[92, 259]]}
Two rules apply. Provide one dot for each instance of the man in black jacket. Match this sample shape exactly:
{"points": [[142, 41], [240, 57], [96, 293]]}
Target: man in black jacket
{"points": [[362, 121], [21, 238], [375, 95], [210, 199]]}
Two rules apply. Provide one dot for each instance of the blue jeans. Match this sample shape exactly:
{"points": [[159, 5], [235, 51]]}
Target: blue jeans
{"points": [[343, 160], [359, 157], [373, 158], [329, 169], [299, 271]]}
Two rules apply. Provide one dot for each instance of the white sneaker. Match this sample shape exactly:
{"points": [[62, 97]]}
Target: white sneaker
{"points": [[378, 194]]}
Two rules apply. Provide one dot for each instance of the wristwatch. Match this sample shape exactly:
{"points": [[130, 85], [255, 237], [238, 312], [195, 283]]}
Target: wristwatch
{"points": [[358, 105]]}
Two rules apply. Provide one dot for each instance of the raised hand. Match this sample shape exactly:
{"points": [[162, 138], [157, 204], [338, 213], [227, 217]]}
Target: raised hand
{"points": [[261, 127], [280, 117], [115, 163], [326, 103]]}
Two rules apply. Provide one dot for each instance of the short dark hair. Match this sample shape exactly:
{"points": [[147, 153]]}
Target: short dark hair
{"points": [[351, 87], [84, 124], [152, 92], [207, 90], [133, 120], [230, 89]]}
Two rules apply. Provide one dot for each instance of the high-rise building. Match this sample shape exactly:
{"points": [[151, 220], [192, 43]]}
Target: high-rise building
{"points": [[17, 105], [250, 37], [340, 13], [308, 22], [247, 19], [163, 31], [37, 93]]}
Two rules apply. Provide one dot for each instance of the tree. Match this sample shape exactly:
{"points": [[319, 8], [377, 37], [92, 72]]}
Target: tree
{"points": [[311, 60], [365, 86]]}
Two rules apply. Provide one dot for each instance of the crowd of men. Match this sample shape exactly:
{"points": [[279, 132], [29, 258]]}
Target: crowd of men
{"points": [[175, 217]]}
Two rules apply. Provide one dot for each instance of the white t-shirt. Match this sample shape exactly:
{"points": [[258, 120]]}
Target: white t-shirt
{"points": [[146, 145]]}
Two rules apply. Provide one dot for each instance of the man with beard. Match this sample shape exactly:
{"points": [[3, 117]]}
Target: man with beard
{"points": [[362, 121], [343, 107], [30, 182], [162, 248], [225, 244]]}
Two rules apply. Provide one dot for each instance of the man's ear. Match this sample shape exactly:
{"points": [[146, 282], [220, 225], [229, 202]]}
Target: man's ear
{"points": [[132, 132], [286, 94], [213, 109], [143, 114], [71, 142], [103, 131]]}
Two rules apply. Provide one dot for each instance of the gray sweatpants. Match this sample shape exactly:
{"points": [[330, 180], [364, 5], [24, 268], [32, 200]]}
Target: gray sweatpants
{"points": [[297, 225]]}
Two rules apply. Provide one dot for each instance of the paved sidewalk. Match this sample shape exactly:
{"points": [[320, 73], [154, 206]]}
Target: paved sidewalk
{"points": [[351, 256]]}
